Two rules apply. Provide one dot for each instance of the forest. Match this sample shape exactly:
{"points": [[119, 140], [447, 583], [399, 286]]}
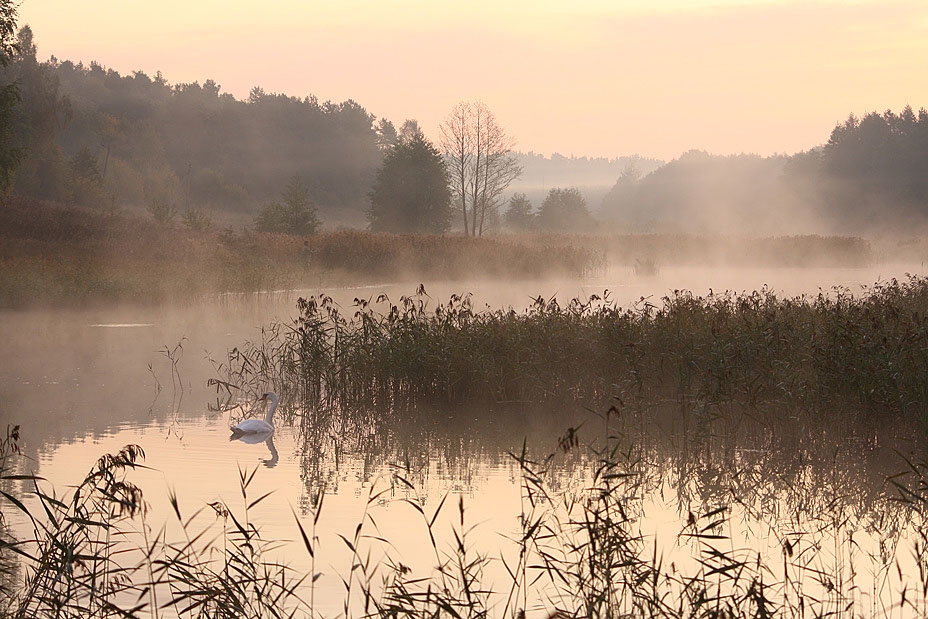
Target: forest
{"points": [[97, 138], [868, 177], [85, 135]]}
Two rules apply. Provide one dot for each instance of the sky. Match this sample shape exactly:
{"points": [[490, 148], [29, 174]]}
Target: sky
{"points": [[594, 78]]}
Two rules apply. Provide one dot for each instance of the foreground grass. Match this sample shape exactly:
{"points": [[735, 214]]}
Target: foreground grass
{"points": [[861, 354], [579, 551]]}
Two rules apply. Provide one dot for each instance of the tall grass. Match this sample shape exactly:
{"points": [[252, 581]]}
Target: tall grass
{"points": [[860, 353], [66, 255], [94, 554], [56, 254]]}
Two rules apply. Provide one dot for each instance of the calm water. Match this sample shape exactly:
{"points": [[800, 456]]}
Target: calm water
{"points": [[83, 383]]}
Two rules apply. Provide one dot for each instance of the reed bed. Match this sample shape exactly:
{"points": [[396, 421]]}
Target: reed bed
{"points": [[64, 255], [55, 254], [861, 354]]}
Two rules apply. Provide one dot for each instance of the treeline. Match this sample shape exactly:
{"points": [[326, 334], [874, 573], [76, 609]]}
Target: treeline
{"points": [[93, 136], [90, 136], [870, 176], [873, 168]]}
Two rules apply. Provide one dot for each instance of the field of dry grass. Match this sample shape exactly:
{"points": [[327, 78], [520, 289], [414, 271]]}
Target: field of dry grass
{"points": [[52, 254], [63, 255]]}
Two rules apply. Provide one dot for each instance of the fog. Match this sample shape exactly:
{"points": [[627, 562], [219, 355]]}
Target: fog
{"points": [[73, 372], [159, 240], [138, 141]]}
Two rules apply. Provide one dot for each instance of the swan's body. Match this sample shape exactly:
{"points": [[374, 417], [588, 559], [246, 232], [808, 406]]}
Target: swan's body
{"points": [[257, 428]]}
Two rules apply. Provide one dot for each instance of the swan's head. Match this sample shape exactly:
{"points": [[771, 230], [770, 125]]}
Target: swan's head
{"points": [[268, 395]]}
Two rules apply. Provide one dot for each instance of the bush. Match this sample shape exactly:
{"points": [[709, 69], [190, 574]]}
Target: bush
{"points": [[294, 214], [197, 220], [162, 211]]}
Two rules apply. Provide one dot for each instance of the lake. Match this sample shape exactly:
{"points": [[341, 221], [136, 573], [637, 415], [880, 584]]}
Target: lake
{"points": [[86, 382]]}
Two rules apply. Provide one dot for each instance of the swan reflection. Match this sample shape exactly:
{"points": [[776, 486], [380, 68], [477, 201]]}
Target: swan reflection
{"points": [[268, 439]]}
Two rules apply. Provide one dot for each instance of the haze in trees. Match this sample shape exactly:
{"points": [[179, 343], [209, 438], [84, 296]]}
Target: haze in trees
{"points": [[593, 176], [519, 215], [704, 193], [867, 179], [10, 153], [565, 210], [187, 143]]}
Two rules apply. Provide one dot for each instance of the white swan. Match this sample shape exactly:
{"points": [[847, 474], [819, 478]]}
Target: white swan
{"points": [[253, 427]]}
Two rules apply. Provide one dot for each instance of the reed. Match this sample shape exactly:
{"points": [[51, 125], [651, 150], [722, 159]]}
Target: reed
{"points": [[859, 354], [65, 255], [60, 255], [93, 554]]}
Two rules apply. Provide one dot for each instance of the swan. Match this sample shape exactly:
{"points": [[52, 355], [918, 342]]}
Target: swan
{"points": [[252, 427]]}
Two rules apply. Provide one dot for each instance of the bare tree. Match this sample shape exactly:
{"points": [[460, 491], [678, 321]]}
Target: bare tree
{"points": [[478, 153]]}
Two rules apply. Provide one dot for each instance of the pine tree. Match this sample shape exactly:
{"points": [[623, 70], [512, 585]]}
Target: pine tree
{"points": [[410, 192]]}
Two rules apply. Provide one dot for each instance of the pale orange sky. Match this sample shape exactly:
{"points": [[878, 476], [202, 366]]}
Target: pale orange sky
{"points": [[595, 78]]}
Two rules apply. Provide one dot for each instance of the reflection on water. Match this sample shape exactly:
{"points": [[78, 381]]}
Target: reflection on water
{"points": [[808, 490], [123, 325], [87, 382], [262, 437]]}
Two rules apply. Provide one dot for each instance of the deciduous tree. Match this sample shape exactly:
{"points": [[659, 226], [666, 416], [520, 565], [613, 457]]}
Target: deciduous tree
{"points": [[519, 215], [564, 210], [10, 153], [480, 163]]}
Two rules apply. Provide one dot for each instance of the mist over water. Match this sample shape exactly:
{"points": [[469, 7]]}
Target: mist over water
{"points": [[335, 343], [86, 382], [81, 369]]}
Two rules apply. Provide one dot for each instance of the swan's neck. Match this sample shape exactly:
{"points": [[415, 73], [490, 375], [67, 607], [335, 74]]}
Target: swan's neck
{"points": [[273, 407]]}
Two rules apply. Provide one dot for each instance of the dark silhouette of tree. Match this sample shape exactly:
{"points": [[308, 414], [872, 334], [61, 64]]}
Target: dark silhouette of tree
{"points": [[874, 168], [623, 192], [565, 210], [86, 181], [43, 171], [409, 131], [387, 137], [11, 153], [410, 192], [186, 143], [519, 215], [295, 213]]}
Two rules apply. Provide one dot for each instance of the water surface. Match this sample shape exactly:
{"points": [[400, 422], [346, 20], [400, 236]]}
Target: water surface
{"points": [[85, 382]]}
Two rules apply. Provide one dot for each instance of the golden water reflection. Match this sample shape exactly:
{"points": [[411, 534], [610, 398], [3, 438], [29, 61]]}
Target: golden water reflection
{"points": [[807, 491]]}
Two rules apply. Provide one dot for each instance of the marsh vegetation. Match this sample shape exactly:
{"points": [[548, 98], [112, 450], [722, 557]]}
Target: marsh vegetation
{"points": [[671, 460], [835, 352], [610, 524]]}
